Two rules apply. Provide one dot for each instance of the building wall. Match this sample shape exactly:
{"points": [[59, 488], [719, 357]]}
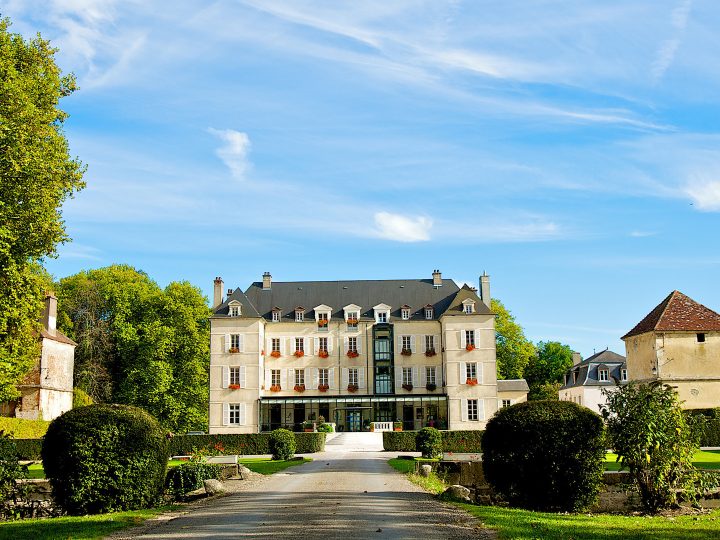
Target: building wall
{"points": [[640, 352], [513, 396]]}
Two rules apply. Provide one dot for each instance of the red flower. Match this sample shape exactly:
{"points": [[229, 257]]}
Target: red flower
{"points": [[353, 387], [299, 388], [471, 382], [323, 354], [323, 387], [234, 387], [275, 354], [299, 354], [469, 347], [352, 354], [275, 388]]}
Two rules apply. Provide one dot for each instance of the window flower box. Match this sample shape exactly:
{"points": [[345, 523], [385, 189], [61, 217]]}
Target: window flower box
{"points": [[299, 354], [299, 388], [275, 354], [275, 388], [323, 354], [471, 382], [234, 350], [353, 388], [406, 352], [430, 352], [352, 322], [407, 387], [323, 387], [352, 354], [431, 387], [234, 387], [322, 323], [469, 347]]}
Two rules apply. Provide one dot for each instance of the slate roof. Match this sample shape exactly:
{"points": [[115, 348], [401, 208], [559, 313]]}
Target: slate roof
{"points": [[416, 293], [587, 370], [512, 385], [678, 313]]}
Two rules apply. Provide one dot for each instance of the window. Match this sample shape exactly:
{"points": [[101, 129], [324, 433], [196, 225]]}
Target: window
{"points": [[353, 376], [276, 316], [430, 375], [275, 342], [602, 374], [299, 377], [234, 342], [234, 417], [323, 377], [299, 315], [506, 403], [472, 410], [235, 375], [469, 307], [405, 313], [574, 377], [407, 377], [470, 338], [234, 311], [429, 313], [275, 377], [352, 320], [471, 370], [623, 375], [322, 344], [406, 343], [299, 344], [430, 343], [352, 344], [701, 338], [382, 317], [323, 322]]}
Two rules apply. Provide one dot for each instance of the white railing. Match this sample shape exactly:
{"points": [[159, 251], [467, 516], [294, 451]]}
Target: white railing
{"points": [[382, 426]]}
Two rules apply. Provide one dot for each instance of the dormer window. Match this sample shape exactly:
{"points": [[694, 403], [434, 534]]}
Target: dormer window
{"points": [[234, 311], [352, 315], [603, 375], [405, 313], [468, 306], [382, 313], [276, 314], [623, 375], [299, 314], [322, 317], [429, 312]]}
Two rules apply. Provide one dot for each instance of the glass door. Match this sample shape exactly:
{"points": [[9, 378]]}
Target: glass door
{"points": [[352, 421]]}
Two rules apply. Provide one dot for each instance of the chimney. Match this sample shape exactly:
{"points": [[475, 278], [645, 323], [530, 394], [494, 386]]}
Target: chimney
{"points": [[577, 358], [437, 278], [230, 291], [217, 292], [267, 281], [485, 289], [50, 313]]}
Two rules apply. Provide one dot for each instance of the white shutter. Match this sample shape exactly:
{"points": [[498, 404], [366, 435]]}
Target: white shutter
{"points": [[463, 372], [283, 379], [306, 347], [481, 409], [268, 347], [241, 420], [242, 376], [423, 344], [399, 345], [398, 377], [282, 346], [415, 378], [479, 372], [345, 377], [241, 343], [330, 344], [463, 410], [347, 344], [331, 379], [436, 343], [412, 344], [291, 378], [423, 375], [268, 379], [315, 378], [226, 414], [225, 376], [361, 377], [227, 342], [463, 341], [359, 344], [316, 345]]}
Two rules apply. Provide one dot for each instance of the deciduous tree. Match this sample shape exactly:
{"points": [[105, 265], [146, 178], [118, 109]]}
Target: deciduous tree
{"points": [[513, 348], [545, 370]]}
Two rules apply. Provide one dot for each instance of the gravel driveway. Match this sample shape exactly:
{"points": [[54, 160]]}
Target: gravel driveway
{"points": [[347, 492]]}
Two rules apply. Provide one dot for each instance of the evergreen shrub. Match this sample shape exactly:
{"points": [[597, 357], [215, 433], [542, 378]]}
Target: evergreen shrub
{"points": [[29, 449], [282, 444], [189, 476], [429, 442], [242, 443], [545, 455], [10, 469], [105, 458]]}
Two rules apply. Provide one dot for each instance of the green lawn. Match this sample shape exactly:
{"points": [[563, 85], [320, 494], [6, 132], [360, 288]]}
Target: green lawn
{"points": [[407, 465], [703, 459], [523, 524], [76, 528]]}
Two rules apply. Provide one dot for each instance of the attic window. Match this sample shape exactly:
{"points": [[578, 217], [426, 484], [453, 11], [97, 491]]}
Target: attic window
{"points": [[701, 338], [299, 315], [234, 310], [429, 312], [405, 313], [623, 374], [602, 374], [468, 306], [276, 314]]}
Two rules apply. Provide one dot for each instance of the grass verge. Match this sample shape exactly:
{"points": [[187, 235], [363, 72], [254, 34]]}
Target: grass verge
{"points": [[703, 459], [433, 483]]}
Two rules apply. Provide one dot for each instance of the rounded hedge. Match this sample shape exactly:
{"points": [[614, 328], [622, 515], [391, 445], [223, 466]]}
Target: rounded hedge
{"points": [[429, 442], [282, 444], [104, 458], [545, 455]]}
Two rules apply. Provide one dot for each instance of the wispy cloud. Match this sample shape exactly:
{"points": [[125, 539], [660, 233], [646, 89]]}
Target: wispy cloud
{"points": [[641, 234], [705, 193], [234, 152], [402, 228], [665, 54]]}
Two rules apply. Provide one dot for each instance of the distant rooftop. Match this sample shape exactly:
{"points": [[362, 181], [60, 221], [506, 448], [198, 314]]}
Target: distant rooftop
{"points": [[678, 313]]}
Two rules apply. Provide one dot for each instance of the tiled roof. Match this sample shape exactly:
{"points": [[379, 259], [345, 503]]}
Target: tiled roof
{"points": [[58, 336], [678, 313], [512, 385]]}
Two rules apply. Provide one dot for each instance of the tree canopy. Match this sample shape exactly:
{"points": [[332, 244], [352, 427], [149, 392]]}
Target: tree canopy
{"points": [[139, 344], [514, 350], [37, 175], [546, 368]]}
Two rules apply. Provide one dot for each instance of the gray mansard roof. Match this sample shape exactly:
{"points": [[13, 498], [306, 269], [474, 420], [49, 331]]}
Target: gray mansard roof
{"points": [[586, 372], [416, 293]]}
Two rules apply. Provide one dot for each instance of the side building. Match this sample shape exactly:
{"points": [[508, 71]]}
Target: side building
{"points": [[583, 383], [678, 343], [421, 351]]}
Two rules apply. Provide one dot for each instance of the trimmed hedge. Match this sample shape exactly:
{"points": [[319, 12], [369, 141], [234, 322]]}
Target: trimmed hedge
{"points": [[282, 444], [243, 443], [464, 441], [709, 424], [29, 449], [189, 476], [21, 428]]}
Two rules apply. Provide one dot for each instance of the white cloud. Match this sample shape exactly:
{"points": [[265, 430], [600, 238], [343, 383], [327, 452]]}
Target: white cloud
{"points": [[234, 153], [402, 228], [666, 52], [641, 234], [705, 194]]}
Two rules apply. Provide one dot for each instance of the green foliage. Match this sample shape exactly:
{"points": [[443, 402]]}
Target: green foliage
{"points": [[324, 428], [21, 428], [29, 449], [654, 440], [10, 469], [514, 351], [282, 444], [189, 477], [545, 370], [36, 176], [399, 441], [545, 455], [461, 441], [708, 423], [429, 442], [81, 398], [139, 344], [243, 443], [104, 458]]}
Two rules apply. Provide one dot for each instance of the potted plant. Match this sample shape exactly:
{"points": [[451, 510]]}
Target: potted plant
{"points": [[234, 386], [352, 354], [406, 352], [471, 381], [308, 426], [323, 354], [353, 388], [275, 388], [397, 425], [430, 352], [299, 388], [323, 387], [469, 347], [234, 350], [275, 354], [431, 387], [407, 387], [299, 354]]}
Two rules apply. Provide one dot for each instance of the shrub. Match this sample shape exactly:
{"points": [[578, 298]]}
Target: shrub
{"points": [[81, 398], [104, 458], [29, 449], [324, 428], [545, 455], [242, 443], [282, 444], [653, 439], [465, 441], [399, 441], [708, 422], [21, 428], [10, 469], [429, 442], [189, 476]]}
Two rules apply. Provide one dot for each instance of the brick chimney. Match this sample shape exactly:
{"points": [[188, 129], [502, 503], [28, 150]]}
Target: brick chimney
{"points": [[437, 278], [267, 281], [217, 292], [485, 289], [50, 313], [577, 358]]}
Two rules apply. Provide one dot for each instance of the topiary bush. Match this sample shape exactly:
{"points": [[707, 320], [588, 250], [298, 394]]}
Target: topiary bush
{"points": [[429, 442], [10, 469], [189, 476], [545, 455], [282, 444], [104, 458]]}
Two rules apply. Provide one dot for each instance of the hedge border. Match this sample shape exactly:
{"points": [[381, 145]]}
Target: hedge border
{"points": [[460, 441], [243, 443]]}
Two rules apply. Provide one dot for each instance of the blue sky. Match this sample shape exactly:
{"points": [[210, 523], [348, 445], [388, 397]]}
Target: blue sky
{"points": [[569, 149]]}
